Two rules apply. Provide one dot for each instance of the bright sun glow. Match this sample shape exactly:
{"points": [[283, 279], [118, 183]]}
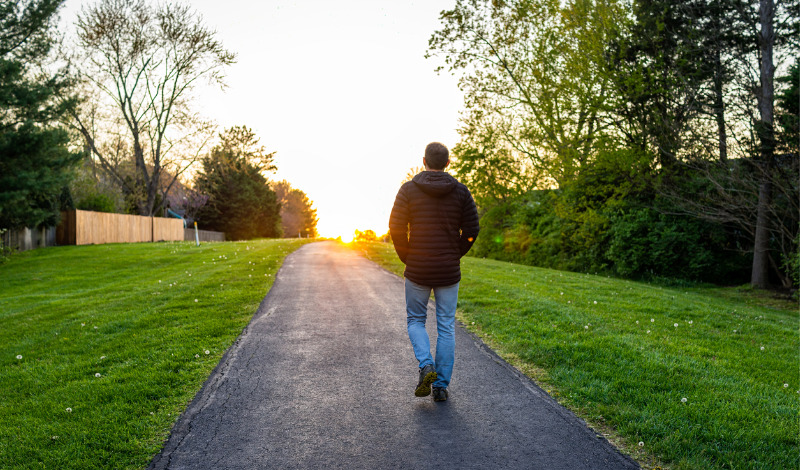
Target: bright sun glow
{"points": [[348, 238], [340, 102]]}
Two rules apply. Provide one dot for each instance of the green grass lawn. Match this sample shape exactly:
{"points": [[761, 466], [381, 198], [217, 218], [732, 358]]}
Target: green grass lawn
{"points": [[102, 347], [688, 378]]}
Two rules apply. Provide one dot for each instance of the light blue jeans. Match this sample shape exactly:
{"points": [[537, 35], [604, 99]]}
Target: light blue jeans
{"points": [[417, 312]]}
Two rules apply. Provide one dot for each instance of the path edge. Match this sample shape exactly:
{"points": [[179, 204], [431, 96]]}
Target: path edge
{"points": [[183, 426]]}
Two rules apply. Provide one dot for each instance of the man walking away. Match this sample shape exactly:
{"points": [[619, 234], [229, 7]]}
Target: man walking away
{"points": [[433, 224]]}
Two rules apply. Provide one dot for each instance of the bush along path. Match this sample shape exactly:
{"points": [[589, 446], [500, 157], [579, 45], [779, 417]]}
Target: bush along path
{"points": [[324, 377], [102, 347], [697, 378]]}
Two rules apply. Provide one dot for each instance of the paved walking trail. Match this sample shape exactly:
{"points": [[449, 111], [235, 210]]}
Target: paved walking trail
{"points": [[324, 375]]}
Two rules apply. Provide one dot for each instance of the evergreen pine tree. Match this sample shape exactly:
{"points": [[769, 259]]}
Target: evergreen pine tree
{"points": [[35, 162]]}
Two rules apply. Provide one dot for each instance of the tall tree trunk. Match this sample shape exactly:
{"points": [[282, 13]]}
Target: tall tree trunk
{"points": [[760, 273], [719, 107], [759, 276]]}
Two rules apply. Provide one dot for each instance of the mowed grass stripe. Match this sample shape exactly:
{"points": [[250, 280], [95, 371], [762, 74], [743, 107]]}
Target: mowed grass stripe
{"points": [[609, 350], [74, 312]]}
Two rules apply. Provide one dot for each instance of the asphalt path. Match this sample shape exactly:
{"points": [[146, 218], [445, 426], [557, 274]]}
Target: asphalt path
{"points": [[324, 377]]}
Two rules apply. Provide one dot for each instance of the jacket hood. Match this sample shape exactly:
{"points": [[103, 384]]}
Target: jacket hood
{"points": [[435, 183]]}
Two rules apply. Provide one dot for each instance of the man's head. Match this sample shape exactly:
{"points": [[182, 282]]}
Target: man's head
{"points": [[436, 156]]}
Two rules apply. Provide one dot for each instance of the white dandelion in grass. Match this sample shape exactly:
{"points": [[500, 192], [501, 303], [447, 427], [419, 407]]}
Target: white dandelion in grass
{"points": [[197, 356], [496, 290], [762, 348], [595, 302], [648, 332], [641, 444], [207, 351], [96, 327], [102, 357], [637, 322], [69, 410], [675, 325], [19, 356], [652, 320], [98, 375], [690, 322], [195, 300], [586, 327], [684, 400], [785, 385], [83, 324], [562, 293]]}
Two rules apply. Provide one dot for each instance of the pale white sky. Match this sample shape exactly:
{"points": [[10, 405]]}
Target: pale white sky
{"points": [[340, 90]]}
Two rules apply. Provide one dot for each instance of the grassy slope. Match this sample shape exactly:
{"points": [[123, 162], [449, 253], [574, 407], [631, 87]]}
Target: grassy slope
{"points": [[609, 350], [73, 312]]}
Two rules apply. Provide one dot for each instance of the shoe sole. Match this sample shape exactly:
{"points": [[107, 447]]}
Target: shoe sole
{"points": [[424, 389], [435, 398]]}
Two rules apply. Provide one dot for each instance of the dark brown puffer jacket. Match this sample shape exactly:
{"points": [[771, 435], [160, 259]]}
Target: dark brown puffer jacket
{"points": [[433, 224]]}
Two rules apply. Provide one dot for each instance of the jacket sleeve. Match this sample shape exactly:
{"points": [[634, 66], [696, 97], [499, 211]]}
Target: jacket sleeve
{"points": [[398, 225], [469, 223]]}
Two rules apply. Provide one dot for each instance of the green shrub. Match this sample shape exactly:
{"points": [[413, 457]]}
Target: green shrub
{"points": [[5, 251], [645, 243], [791, 264], [97, 202], [627, 241], [524, 230]]}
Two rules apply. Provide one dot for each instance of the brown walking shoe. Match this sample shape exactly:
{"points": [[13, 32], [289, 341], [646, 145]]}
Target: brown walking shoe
{"points": [[427, 375]]}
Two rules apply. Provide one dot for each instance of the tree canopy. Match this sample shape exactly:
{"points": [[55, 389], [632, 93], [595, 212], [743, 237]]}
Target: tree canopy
{"points": [[139, 62], [634, 114]]}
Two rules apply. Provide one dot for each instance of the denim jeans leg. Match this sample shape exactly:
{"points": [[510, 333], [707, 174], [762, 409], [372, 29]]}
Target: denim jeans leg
{"points": [[416, 313], [446, 301]]}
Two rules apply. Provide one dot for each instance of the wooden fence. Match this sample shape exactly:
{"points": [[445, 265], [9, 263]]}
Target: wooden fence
{"points": [[87, 227], [27, 239]]}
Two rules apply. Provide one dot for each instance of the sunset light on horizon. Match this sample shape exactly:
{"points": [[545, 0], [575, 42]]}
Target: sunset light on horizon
{"points": [[341, 91]]}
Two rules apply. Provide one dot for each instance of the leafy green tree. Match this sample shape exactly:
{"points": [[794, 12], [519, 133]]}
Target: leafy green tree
{"points": [[298, 217], [240, 201], [35, 161], [532, 75], [659, 73]]}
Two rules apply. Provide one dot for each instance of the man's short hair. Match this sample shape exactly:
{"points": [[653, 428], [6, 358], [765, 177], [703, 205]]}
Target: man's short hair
{"points": [[436, 156]]}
